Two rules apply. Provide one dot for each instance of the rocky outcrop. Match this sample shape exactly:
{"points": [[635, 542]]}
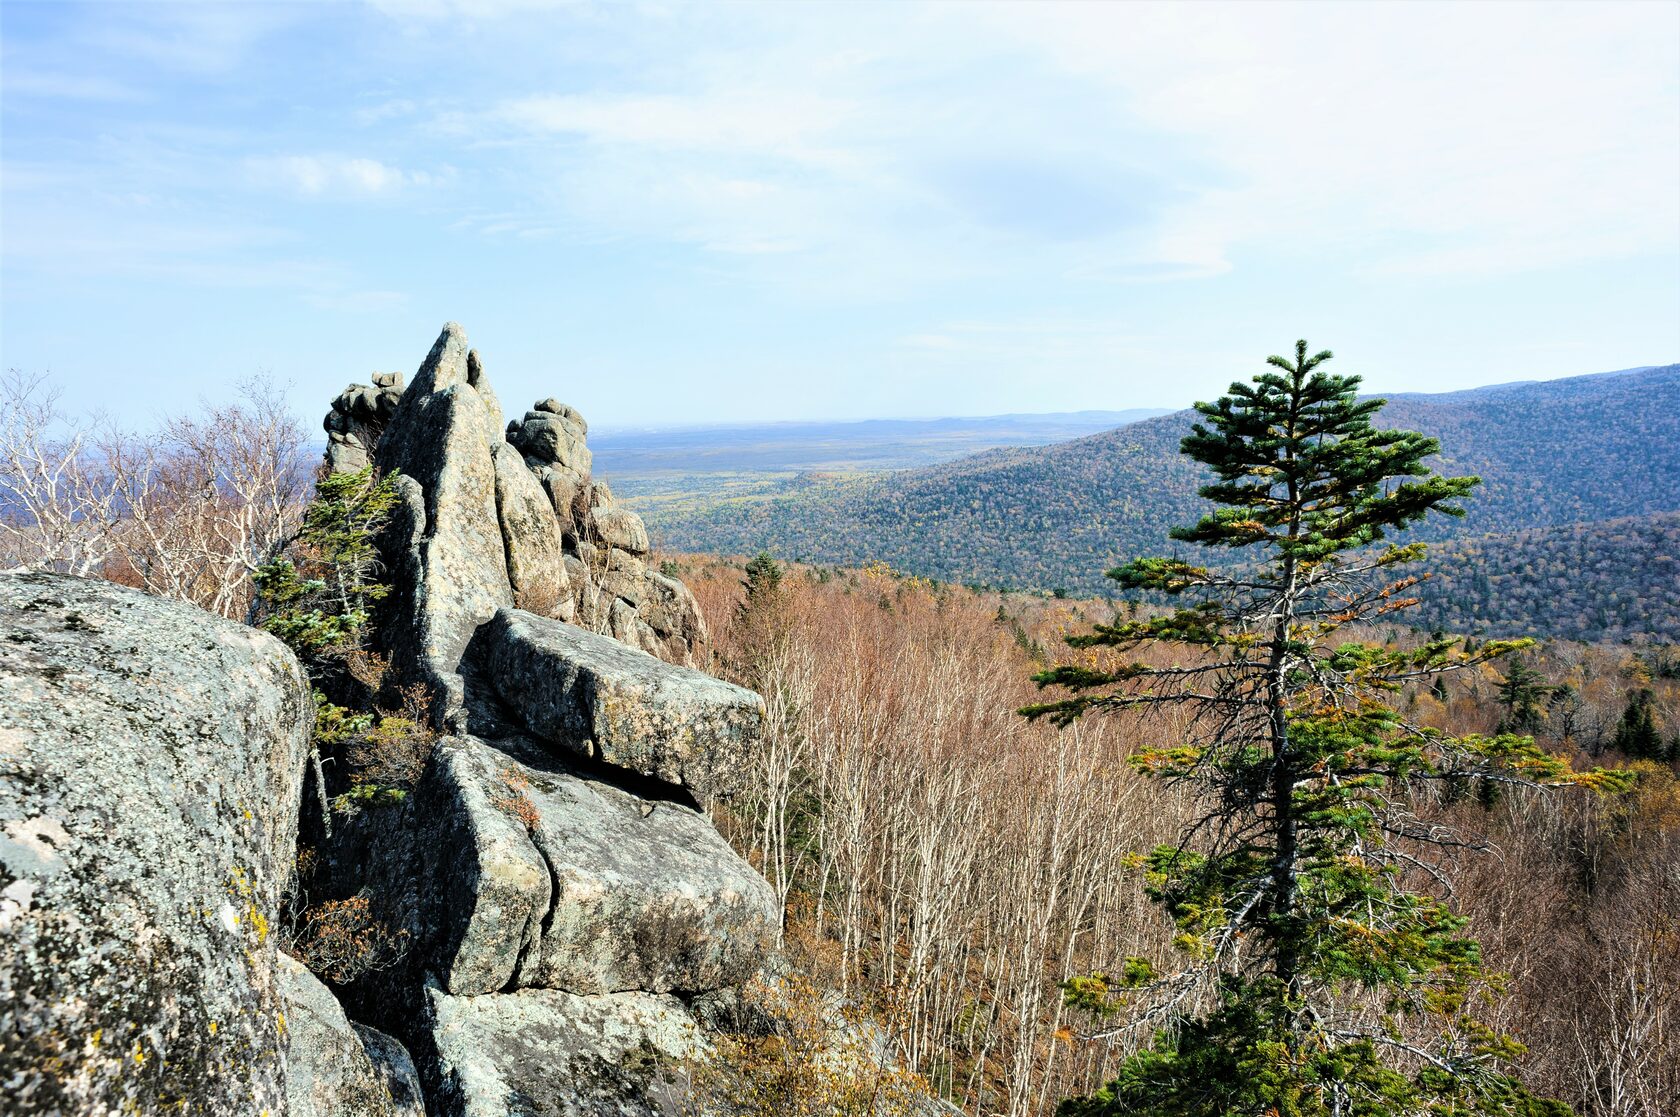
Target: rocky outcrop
{"points": [[151, 762], [584, 693], [536, 555], [560, 891], [357, 417], [446, 546], [334, 1067], [567, 549], [527, 910]]}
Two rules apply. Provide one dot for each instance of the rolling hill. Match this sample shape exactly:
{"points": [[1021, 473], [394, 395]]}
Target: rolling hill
{"points": [[1580, 450], [1609, 581]]}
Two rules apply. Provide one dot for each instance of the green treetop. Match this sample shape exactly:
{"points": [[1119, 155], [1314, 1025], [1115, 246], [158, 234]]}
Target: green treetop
{"points": [[1323, 974], [1524, 693]]}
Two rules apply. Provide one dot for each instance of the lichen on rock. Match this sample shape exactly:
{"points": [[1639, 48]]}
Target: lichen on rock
{"points": [[151, 762]]}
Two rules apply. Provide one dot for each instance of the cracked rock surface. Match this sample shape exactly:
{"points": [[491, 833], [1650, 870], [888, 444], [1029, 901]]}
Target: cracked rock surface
{"points": [[335, 1067], [547, 1053], [585, 887]]}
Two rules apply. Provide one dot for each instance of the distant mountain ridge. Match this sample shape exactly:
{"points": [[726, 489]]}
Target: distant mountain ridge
{"points": [[863, 445], [1575, 450]]}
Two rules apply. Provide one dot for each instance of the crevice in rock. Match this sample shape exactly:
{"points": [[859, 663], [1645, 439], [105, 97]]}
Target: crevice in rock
{"points": [[539, 842], [533, 753]]}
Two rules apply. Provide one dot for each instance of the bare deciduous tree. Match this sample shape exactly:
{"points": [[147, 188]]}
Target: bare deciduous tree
{"points": [[188, 511]]}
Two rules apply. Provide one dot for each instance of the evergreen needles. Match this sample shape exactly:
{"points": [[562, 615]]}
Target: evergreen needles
{"points": [[1323, 971]]}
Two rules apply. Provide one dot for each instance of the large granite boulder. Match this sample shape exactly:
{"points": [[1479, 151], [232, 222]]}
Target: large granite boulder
{"points": [[335, 1068], [536, 557], [547, 1053], [552, 434], [151, 761], [446, 549], [555, 883], [569, 882], [587, 694]]}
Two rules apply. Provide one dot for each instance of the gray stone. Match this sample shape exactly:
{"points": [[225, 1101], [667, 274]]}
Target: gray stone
{"points": [[582, 692], [447, 550], [493, 880], [151, 760], [580, 885], [555, 407], [335, 1068], [548, 438], [481, 384], [620, 527], [670, 610], [623, 562], [547, 1053], [391, 1059], [631, 587], [357, 418], [568, 493], [346, 454], [530, 536]]}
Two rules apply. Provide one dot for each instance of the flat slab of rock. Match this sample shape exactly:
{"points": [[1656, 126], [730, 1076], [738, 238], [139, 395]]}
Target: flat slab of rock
{"points": [[571, 883], [151, 759], [592, 695], [334, 1067], [545, 1053]]}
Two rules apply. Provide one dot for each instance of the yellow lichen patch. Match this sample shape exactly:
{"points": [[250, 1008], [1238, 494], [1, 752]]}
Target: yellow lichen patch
{"points": [[259, 923]]}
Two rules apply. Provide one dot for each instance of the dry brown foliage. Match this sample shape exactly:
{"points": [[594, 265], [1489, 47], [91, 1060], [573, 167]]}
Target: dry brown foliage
{"points": [[514, 800], [341, 940], [929, 844], [818, 1058], [544, 600]]}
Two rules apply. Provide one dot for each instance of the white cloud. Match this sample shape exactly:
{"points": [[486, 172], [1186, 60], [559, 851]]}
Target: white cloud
{"points": [[390, 109], [1387, 138], [65, 86], [1450, 137], [188, 38], [319, 176], [781, 122]]}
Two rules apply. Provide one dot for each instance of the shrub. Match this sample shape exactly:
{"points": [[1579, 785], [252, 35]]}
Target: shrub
{"points": [[818, 1059], [341, 940]]}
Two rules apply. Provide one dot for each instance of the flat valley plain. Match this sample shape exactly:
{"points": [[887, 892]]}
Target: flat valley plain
{"points": [[691, 469]]}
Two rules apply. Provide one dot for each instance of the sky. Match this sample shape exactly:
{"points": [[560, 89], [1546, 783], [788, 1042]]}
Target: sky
{"points": [[669, 213]]}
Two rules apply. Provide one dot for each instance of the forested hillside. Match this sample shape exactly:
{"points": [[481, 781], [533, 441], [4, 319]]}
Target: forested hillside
{"points": [[1602, 582], [1584, 449]]}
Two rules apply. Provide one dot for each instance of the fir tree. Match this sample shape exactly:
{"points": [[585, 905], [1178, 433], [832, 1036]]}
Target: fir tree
{"points": [[764, 576], [1636, 731], [318, 595], [1318, 980], [759, 623], [1523, 693]]}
